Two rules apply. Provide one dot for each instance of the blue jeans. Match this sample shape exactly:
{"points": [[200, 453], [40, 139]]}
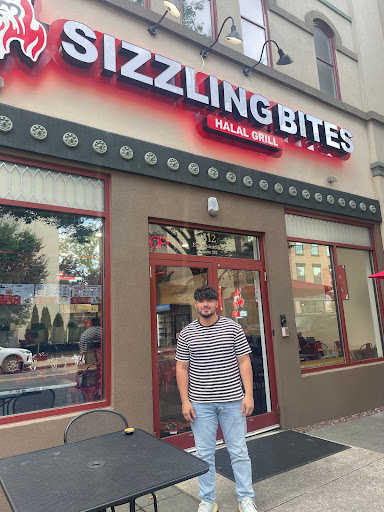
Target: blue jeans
{"points": [[233, 425]]}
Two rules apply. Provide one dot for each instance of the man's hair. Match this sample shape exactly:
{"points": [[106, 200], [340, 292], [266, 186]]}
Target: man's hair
{"points": [[95, 321], [206, 292]]}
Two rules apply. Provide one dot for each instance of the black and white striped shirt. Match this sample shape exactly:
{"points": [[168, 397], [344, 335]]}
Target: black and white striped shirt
{"points": [[212, 353]]}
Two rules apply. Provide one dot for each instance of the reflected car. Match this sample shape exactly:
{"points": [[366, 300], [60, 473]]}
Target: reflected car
{"points": [[13, 360]]}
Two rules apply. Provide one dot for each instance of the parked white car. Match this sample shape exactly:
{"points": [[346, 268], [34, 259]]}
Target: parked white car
{"points": [[13, 360]]}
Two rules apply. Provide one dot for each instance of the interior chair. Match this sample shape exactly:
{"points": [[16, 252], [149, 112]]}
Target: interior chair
{"points": [[168, 374], [368, 348], [321, 348], [33, 401], [98, 422], [337, 345]]}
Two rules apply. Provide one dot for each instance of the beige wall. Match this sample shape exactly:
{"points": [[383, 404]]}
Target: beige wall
{"points": [[84, 101]]}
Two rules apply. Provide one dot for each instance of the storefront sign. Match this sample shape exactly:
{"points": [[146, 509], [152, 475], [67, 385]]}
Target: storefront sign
{"points": [[198, 242], [222, 108], [220, 126]]}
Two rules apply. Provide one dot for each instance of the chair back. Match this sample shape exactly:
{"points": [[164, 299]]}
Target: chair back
{"points": [[94, 423], [34, 401]]}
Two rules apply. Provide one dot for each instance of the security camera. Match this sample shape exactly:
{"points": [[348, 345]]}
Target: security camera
{"points": [[213, 206]]}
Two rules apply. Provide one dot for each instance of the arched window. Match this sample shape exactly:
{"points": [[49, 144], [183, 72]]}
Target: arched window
{"points": [[253, 27], [326, 61]]}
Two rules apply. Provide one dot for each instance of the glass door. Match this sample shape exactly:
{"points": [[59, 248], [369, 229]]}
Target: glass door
{"points": [[173, 286], [241, 299]]}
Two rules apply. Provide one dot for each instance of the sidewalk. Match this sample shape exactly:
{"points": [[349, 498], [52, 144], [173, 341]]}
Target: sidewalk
{"points": [[352, 480]]}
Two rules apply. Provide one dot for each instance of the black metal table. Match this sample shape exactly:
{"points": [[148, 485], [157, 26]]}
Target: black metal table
{"points": [[91, 475]]}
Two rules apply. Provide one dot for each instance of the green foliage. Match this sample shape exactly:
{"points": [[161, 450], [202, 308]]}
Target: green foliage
{"points": [[73, 225], [190, 9], [81, 258], [21, 262], [46, 318], [58, 321], [35, 316]]}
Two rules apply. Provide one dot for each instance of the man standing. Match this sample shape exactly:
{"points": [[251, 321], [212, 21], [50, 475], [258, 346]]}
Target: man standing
{"points": [[212, 365]]}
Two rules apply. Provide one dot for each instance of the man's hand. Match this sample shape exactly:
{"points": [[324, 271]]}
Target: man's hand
{"points": [[188, 411], [247, 406]]}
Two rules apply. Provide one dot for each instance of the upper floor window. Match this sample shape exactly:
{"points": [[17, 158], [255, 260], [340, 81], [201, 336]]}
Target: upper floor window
{"points": [[194, 14], [253, 28], [314, 249], [299, 248], [326, 61]]}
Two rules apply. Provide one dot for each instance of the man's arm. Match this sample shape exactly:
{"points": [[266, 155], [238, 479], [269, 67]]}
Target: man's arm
{"points": [[182, 377], [246, 374]]}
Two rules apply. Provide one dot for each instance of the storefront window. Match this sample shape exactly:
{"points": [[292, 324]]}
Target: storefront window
{"points": [[199, 242], [359, 304], [337, 288], [51, 309], [315, 311]]}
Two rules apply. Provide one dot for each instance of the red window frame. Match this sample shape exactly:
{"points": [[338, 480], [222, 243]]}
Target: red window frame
{"points": [[333, 246], [327, 31], [106, 215]]}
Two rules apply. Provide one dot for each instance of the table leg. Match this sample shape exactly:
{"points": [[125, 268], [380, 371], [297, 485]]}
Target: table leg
{"points": [[132, 506]]}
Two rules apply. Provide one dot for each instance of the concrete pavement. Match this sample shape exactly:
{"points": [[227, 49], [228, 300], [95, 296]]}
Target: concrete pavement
{"points": [[352, 480]]}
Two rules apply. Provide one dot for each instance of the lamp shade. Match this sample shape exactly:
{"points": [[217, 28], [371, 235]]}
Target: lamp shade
{"points": [[234, 37], [171, 7], [284, 58]]}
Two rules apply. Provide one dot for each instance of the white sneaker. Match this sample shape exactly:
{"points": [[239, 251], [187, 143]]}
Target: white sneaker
{"points": [[247, 505], [207, 506]]}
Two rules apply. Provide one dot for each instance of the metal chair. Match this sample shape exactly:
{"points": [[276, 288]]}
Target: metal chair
{"points": [[34, 401], [98, 422], [94, 423]]}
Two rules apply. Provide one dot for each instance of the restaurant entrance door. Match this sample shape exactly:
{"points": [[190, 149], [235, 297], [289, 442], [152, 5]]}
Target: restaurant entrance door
{"points": [[242, 297]]}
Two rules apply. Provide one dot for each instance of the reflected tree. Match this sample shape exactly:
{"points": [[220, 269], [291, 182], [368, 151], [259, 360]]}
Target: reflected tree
{"points": [[191, 8], [81, 258], [21, 262], [73, 225]]}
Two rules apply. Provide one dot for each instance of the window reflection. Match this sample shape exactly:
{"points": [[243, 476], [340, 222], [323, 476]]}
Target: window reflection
{"points": [[50, 299], [175, 287], [319, 337], [359, 304]]}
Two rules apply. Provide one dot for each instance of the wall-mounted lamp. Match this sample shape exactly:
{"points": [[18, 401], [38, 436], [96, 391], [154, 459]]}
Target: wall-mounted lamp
{"points": [[170, 7], [284, 59], [233, 37]]}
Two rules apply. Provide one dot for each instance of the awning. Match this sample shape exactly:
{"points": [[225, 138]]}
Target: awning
{"points": [[306, 289], [379, 275]]}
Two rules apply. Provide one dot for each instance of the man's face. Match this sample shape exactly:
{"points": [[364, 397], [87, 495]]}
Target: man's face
{"points": [[206, 307]]}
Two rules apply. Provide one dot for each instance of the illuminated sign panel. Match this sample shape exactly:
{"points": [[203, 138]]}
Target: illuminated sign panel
{"points": [[223, 111], [232, 130]]}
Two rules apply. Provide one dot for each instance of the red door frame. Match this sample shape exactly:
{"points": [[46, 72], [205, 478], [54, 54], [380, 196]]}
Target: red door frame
{"points": [[212, 264]]}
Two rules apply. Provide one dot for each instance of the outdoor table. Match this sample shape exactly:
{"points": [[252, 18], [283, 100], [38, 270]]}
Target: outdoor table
{"points": [[92, 475], [7, 395]]}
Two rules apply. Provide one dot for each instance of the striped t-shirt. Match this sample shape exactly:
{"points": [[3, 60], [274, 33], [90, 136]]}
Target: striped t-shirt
{"points": [[212, 353]]}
